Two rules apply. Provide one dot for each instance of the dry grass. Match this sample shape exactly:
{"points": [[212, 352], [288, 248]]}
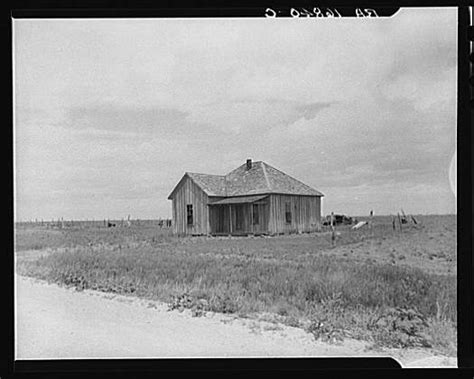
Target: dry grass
{"points": [[37, 237], [379, 286]]}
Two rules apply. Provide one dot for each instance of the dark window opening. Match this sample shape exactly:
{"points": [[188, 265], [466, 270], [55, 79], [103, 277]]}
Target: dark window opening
{"points": [[288, 213], [189, 212], [255, 214]]}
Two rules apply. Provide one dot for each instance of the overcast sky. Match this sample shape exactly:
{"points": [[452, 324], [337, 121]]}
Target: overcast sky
{"points": [[110, 113]]}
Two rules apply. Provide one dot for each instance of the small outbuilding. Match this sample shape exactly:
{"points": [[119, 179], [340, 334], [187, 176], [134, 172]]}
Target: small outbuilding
{"points": [[253, 199]]}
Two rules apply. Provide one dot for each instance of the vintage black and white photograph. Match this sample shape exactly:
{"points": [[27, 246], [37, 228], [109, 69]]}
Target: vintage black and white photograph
{"points": [[236, 187]]}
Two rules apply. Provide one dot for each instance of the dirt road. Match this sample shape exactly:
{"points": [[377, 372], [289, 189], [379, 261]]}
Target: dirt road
{"points": [[55, 322]]}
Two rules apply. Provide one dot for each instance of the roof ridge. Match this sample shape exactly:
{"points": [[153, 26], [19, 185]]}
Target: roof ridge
{"points": [[266, 176], [202, 173]]}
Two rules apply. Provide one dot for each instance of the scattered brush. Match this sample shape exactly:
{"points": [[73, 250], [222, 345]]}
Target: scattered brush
{"points": [[185, 301], [401, 328], [326, 324]]}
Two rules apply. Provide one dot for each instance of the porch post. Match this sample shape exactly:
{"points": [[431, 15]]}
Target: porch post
{"points": [[230, 218], [251, 217]]}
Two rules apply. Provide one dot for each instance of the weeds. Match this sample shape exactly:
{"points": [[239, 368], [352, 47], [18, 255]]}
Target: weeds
{"points": [[401, 327], [326, 321], [390, 305], [198, 307]]}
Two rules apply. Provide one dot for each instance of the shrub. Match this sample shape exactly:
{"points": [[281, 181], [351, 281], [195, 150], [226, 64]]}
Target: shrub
{"points": [[327, 323], [401, 327], [185, 301], [223, 304]]}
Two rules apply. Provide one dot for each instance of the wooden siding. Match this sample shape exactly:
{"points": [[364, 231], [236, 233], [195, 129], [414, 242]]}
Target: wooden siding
{"points": [[189, 193], [305, 214], [263, 216]]}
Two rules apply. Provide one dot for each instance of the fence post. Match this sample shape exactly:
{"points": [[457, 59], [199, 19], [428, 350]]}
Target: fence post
{"points": [[371, 231], [333, 234], [371, 223]]}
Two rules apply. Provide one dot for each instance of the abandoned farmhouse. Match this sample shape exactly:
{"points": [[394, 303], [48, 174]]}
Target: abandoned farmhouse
{"points": [[255, 198]]}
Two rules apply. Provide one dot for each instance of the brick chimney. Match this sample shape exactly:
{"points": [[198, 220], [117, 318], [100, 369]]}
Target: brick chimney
{"points": [[249, 164]]}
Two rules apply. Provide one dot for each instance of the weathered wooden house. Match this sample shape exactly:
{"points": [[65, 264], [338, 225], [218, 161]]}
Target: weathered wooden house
{"points": [[255, 198]]}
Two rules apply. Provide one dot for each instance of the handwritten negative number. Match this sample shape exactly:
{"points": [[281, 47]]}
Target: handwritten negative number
{"points": [[317, 12]]}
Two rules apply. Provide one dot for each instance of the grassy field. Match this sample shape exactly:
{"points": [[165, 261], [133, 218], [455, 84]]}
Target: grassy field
{"points": [[393, 288]]}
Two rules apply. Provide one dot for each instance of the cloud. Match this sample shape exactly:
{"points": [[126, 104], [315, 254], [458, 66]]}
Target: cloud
{"points": [[423, 91], [112, 118], [386, 143], [311, 110], [253, 116]]}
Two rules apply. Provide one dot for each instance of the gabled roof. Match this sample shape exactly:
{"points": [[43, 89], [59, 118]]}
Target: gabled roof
{"points": [[212, 185], [260, 179]]}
